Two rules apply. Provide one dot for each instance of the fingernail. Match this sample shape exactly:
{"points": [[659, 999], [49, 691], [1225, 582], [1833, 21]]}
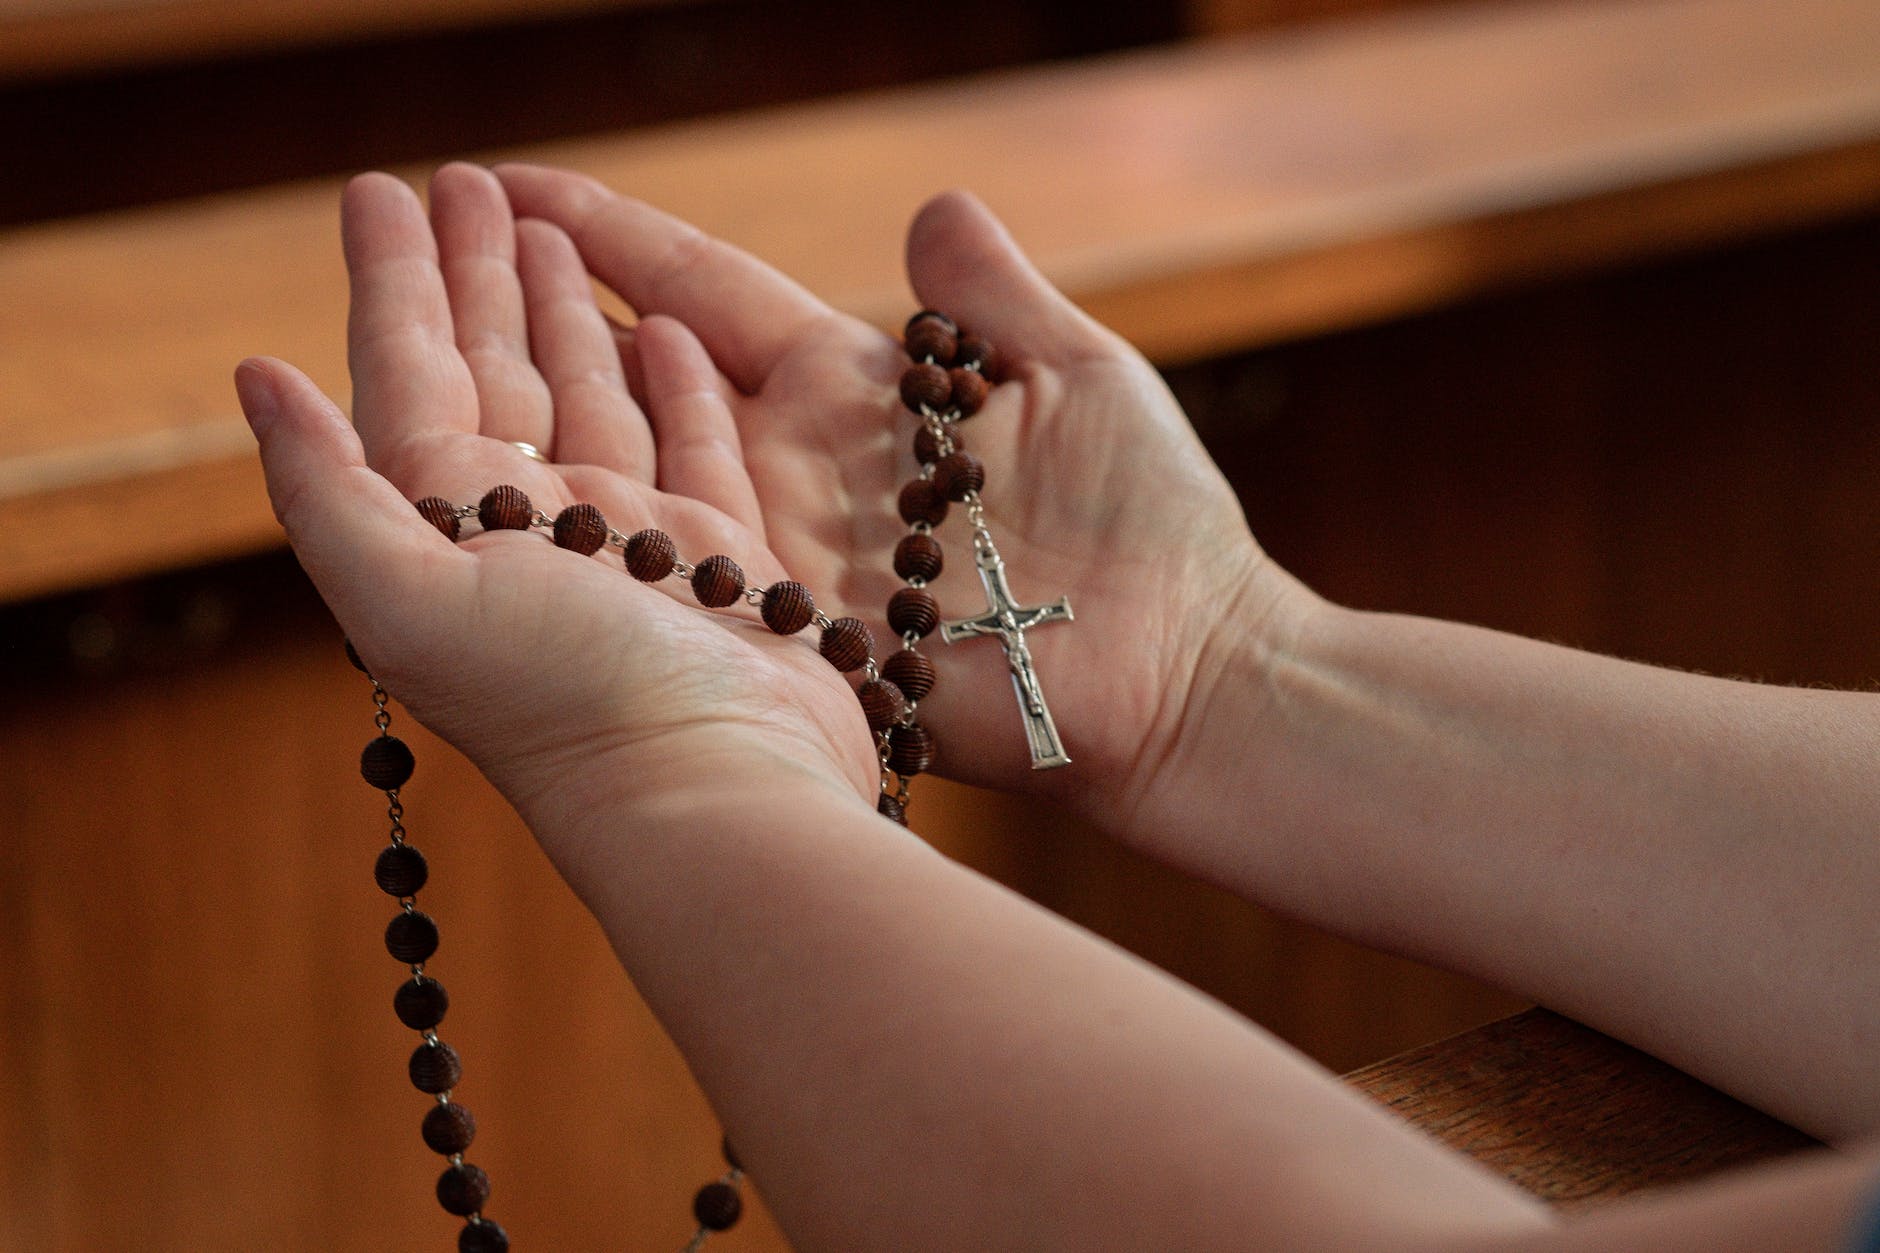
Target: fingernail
{"points": [[256, 392]]}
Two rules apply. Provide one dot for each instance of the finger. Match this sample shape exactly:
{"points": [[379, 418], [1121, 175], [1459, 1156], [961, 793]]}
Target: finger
{"points": [[745, 313], [596, 422], [961, 261], [700, 455], [361, 542], [409, 382], [476, 242]]}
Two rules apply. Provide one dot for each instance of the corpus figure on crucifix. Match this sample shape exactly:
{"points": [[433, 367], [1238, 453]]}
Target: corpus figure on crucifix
{"points": [[1009, 621]]}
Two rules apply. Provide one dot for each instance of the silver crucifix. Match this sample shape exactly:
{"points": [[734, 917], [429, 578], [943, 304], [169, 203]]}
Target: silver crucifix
{"points": [[1008, 620]]}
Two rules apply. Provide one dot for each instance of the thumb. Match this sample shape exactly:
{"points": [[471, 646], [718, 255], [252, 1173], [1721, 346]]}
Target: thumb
{"points": [[962, 262], [353, 532]]}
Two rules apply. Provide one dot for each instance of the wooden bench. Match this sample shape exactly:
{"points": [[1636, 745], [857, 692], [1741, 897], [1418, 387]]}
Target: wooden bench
{"points": [[1201, 199], [1573, 1116]]}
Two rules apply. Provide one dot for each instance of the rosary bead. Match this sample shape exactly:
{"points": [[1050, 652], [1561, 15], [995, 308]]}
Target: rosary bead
{"points": [[926, 385], [441, 514], [970, 390], [400, 870], [581, 529], [412, 937], [448, 1128], [717, 581], [463, 1190], [927, 448], [910, 749], [918, 556], [386, 763], [847, 643], [973, 353], [958, 473], [650, 555], [921, 501], [931, 337], [911, 672], [420, 1003], [891, 809], [717, 1206], [730, 1154], [925, 315], [788, 607], [913, 609], [882, 703], [435, 1068], [505, 508], [482, 1237]]}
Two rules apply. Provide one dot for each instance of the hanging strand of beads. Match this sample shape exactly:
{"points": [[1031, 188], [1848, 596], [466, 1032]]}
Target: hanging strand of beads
{"points": [[420, 1003]]}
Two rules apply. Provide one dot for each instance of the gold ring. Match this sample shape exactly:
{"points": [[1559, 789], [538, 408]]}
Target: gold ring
{"points": [[528, 450]]}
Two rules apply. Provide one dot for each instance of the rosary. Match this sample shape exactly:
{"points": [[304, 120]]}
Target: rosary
{"points": [[944, 384]]}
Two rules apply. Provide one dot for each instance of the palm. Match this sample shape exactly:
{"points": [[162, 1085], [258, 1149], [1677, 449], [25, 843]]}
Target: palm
{"points": [[460, 350], [1083, 508]]}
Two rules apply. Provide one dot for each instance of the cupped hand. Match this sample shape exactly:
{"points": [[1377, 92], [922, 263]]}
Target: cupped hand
{"points": [[565, 679], [1097, 487]]}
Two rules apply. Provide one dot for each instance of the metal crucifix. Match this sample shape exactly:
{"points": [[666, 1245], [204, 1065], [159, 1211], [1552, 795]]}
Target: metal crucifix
{"points": [[1009, 621]]}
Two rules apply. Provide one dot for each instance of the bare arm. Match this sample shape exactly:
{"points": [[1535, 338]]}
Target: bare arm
{"points": [[1685, 862]]}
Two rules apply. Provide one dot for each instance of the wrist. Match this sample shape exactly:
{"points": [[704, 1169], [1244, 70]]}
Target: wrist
{"points": [[1198, 775]]}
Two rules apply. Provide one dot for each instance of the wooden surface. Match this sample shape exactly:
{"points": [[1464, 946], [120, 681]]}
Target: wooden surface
{"points": [[1201, 200], [45, 37], [1572, 1115]]}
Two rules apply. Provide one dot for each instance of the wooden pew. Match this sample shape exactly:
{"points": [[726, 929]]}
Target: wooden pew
{"points": [[1573, 1116], [1200, 199]]}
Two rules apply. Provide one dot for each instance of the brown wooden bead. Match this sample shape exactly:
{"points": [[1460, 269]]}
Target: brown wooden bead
{"points": [[891, 809], [581, 529], [927, 446], [463, 1189], [847, 643], [882, 703], [717, 1206], [910, 749], [441, 514], [435, 1068], [717, 581], [921, 501], [420, 1003], [926, 385], [958, 473], [386, 763], [505, 508], [482, 1237], [448, 1128], [973, 353], [918, 557], [650, 555], [400, 870], [911, 672], [913, 609], [923, 315], [788, 607], [970, 390], [412, 937], [931, 337]]}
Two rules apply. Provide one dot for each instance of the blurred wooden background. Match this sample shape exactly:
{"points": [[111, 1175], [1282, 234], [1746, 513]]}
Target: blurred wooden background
{"points": [[1631, 408]]}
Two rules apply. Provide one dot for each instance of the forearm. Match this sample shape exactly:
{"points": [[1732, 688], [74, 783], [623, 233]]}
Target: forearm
{"points": [[1683, 861], [908, 1056]]}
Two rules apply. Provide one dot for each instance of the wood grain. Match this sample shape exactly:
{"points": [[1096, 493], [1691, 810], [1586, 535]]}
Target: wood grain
{"points": [[1202, 199], [39, 38], [1569, 1114]]}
